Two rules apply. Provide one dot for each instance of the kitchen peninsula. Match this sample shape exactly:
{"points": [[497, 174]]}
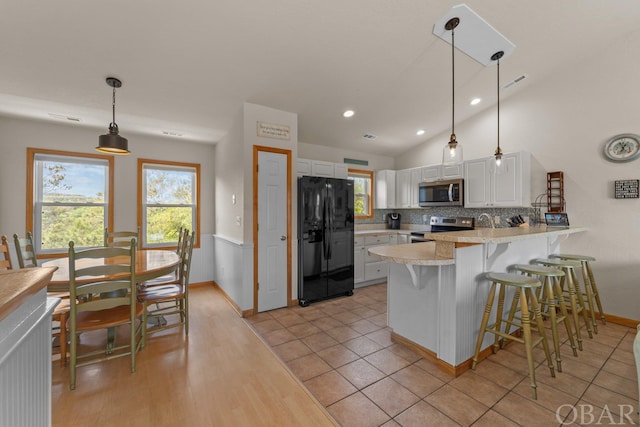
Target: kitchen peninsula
{"points": [[437, 291]]}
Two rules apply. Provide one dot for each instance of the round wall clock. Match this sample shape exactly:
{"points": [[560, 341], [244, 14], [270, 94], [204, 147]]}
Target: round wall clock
{"points": [[623, 147]]}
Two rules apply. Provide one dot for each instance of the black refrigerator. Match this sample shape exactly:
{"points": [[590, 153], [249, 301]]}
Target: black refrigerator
{"points": [[325, 238]]}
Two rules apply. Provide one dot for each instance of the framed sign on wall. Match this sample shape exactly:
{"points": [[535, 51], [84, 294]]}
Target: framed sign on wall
{"points": [[627, 189]]}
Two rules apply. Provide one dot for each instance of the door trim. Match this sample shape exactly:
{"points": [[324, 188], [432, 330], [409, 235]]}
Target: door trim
{"points": [[256, 150]]}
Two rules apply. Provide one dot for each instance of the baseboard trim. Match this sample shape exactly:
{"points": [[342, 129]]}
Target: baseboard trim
{"points": [[236, 307]]}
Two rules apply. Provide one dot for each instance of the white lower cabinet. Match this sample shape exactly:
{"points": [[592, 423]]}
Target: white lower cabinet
{"points": [[358, 259], [370, 268]]}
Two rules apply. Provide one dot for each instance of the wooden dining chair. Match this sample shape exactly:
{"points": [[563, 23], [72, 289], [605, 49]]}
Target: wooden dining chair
{"points": [[5, 259], [25, 250], [27, 258], [103, 297], [167, 300], [174, 277], [120, 238]]}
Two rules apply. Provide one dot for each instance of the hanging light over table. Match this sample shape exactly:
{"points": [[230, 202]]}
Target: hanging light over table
{"points": [[498, 153], [452, 152], [112, 143]]}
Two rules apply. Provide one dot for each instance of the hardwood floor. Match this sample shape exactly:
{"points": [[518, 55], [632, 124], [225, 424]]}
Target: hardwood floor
{"points": [[221, 375], [341, 351]]}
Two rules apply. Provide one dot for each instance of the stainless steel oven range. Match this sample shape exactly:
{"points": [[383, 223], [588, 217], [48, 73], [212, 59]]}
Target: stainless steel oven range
{"points": [[440, 224]]}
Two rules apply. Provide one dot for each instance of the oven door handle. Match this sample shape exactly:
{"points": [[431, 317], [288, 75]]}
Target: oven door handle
{"points": [[451, 192]]}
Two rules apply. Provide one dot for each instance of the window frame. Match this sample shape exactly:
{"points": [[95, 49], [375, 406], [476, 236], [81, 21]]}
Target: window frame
{"points": [[363, 173], [31, 220], [169, 165]]}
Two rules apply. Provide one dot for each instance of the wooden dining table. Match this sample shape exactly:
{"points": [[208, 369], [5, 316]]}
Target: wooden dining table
{"points": [[150, 263]]}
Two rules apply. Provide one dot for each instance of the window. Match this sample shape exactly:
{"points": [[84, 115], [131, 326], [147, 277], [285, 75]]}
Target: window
{"points": [[70, 198], [169, 196], [362, 192]]}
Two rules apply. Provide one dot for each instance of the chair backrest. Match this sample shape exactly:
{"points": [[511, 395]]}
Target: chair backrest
{"points": [[120, 238], [182, 238], [25, 250], [5, 256], [113, 277], [185, 261]]}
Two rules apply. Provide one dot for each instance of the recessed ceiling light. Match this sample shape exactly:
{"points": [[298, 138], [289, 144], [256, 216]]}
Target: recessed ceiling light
{"points": [[348, 113], [475, 101], [420, 132]]}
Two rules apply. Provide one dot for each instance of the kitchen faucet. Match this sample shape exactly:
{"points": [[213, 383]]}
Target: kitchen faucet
{"points": [[489, 217]]}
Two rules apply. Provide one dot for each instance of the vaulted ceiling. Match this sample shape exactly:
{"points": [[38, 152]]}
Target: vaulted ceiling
{"points": [[187, 67]]}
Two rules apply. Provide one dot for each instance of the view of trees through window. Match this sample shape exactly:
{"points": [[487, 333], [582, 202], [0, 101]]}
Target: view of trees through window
{"points": [[169, 202], [362, 184], [70, 201]]}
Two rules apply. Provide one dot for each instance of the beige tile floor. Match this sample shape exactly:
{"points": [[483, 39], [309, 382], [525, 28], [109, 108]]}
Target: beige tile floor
{"points": [[342, 351]]}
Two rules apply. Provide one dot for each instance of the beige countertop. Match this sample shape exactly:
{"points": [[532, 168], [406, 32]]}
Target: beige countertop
{"points": [[501, 235], [411, 253], [17, 285], [425, 253]]}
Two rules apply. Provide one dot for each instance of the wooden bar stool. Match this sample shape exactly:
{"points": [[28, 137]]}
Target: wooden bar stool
{"points": [[524, 295], [575, 294], [550, 278], [589, 283]]}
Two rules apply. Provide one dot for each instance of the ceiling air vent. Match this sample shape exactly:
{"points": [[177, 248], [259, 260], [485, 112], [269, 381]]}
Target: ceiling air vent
{"points": [[170, 133], [63, 117], [514, 81], [369, 136]]}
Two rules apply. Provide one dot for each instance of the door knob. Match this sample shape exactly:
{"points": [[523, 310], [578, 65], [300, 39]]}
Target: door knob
{"points": [[283, 237]]}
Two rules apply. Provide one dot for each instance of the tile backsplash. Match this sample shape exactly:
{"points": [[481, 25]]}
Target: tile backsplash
{"points": [[422, 216]]}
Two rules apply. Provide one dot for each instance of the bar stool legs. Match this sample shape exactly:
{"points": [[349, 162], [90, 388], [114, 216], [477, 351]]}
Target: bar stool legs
{"points": [[550, 292], [530, 311], [589, 283], [575, 294]]}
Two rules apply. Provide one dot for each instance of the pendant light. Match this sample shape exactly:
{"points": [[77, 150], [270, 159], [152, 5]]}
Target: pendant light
{"points": [[498, 153], [452, 152], [112, 143]]}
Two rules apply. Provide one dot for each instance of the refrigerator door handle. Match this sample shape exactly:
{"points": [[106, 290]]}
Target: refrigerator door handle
{"points": [[330, 222]]}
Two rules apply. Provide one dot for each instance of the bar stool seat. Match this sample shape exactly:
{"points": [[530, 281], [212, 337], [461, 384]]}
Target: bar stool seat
{"points": [[573, 289], [589, 283], [525, 296], [550, 278]]}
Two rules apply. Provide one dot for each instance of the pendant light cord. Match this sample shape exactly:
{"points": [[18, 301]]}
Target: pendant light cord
{"points": [[113, 106], [498, 93], [453, 86]]}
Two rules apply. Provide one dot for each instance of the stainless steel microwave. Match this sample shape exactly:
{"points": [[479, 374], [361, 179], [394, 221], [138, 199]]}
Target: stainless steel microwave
{"points": [[441, 193]]}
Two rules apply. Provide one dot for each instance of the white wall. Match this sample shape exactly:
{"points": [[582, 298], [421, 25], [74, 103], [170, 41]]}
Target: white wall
{"points": [[564, 121], [337, 155], [18, 134], [233, 251], [229, 181]]}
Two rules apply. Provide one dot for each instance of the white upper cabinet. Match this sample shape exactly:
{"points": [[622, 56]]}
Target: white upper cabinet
{"points": [[340, 170], [303, 167], [385, 189], [416, 179], [437, 172], [483, 187], [407, 181], [306, 167], [320, 168]]}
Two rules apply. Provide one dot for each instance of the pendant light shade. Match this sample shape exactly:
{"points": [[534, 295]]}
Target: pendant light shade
{"points": [[452, 152], [500, 168], [112, 142]]}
